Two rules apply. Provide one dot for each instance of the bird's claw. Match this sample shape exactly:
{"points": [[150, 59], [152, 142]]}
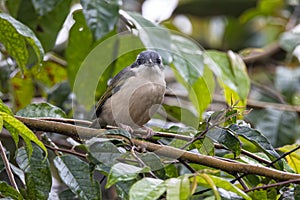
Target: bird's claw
{"points": [[150, 132], [127, 128]]}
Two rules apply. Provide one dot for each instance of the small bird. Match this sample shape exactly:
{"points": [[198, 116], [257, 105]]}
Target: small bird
{"points": [[133, 95]]}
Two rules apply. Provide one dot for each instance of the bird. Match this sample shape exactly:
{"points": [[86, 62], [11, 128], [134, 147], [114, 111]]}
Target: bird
{"points": [[134, 95]]}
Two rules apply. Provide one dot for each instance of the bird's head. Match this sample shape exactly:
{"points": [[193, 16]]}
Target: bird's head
{"points": [[149, 59]]}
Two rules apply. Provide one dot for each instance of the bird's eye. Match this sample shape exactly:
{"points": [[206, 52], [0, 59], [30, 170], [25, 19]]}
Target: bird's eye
{"points": [[158, 61], [140, 61]]}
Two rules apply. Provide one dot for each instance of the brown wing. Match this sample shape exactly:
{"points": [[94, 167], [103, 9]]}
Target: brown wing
{"points": [[113, 87]]}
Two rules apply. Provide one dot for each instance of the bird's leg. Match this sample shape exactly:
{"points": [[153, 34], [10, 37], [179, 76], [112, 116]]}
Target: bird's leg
{"points": [[127, 128], [150, 132]]}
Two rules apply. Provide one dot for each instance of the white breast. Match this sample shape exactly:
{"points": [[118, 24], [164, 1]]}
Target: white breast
{"points": [[131, 104]]}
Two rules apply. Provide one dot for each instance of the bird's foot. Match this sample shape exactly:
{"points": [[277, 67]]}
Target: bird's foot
{"points": [[150, 132], [127, 128]]}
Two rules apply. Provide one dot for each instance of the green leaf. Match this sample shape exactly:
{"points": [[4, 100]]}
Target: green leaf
{"points": [[297, 192], [13, 7], [67, 195], [22, 89], [177, 189], [76, 175], [211, 184], [147, 189], [37, 173], [50, 74], [293, 159], [182, 114], [41, 110], [152, 161], [43, 26], [287, 81], [268, 7], [123, 188], [101, 16], [5, 109], [280, 127], [188, 59], [222, 183], [124, 172], [171, 171], [173, 188], [190, 71], [258, 140], [289, 40], [231, 73], [231, 141], [59, 95], [77, 50], [200, 93], [205, 146], [43, 7], [9, 192], [15, 36], [15, 127], [258, 194], [152, 36], [1, 125], [103, 152]]}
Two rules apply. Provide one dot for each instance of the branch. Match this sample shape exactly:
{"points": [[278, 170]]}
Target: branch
{"points": [[267, 51], [68, 129], [273, 185], [210, 161], [7, 167], [171, 152], [260, 104], [76, 132]]}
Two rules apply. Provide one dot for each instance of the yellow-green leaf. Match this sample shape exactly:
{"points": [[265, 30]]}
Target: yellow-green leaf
{"points": [[14, 126], [293, 159], [15, 36], [205, 180]]}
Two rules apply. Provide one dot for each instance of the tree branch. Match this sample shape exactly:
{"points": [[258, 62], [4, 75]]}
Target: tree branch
{"points": [[273, 185], [268, 51], [171, 152], [210, 161]]}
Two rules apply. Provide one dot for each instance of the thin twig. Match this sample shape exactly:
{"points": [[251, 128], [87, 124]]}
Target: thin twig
{"points": [[140, 161], [7, 167], [187, 165], [284, 155], [273, 185], [65, 151], [242, 182], [269, 91], [268, 51], [260, 104], [247, 153]]}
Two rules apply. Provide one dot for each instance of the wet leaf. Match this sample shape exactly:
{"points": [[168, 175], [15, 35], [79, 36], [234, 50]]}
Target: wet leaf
{"points": [[147, 189], [124, 172]]}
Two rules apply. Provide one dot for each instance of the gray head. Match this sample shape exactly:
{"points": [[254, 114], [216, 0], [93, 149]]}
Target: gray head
{"points": [[149, 58]]}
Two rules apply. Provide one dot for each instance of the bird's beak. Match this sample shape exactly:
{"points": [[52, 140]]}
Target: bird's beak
{"points": [[149, 62]]}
